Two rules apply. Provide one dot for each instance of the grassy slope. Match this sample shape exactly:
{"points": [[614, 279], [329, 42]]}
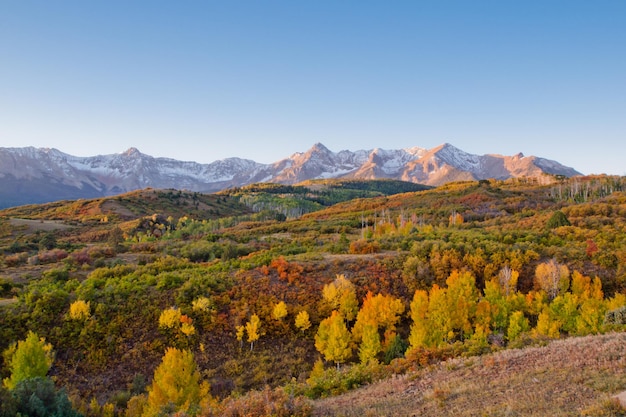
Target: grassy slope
{"points": [[568, 377]]}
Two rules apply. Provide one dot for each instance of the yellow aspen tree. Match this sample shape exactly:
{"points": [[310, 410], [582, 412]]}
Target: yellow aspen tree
{"points": [[382, 311], [462, 296], [479, 340], [564, 308], [240, 331], [252, 328], [591, 317], [302, 321], [176, 383], [370, 344], [420, 327], [499, 305], [483, 317], [615, 302], [340, 295], [280, 311], [585, 287], [455, 218], [439, 321], [367, 315], [317, 373], [518, 324], [27, 359], [592, 306], [348, 304], [552, 277], [547, 325], [333, 339]]}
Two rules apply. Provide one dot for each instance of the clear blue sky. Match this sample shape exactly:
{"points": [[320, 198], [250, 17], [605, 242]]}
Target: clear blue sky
{"points": [[207, 80]]}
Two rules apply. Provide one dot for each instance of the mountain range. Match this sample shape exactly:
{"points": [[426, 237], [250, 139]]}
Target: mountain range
{"points": [[36, 175]]}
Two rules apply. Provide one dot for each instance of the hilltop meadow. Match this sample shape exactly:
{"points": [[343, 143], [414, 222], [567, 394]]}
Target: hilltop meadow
{"points": [[324, 298]]}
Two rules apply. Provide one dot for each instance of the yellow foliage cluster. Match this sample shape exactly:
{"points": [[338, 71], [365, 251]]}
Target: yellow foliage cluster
{"points": [[201, 304], [280, 311], [170, 318], [303, 321], [341, 296], [80, 310], [252, 328]]}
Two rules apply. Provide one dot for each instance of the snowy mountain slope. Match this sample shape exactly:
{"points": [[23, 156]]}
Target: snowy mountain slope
{"points": [[34, 175]]}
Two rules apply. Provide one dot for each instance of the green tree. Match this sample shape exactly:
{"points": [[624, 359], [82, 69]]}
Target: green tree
{"points": [[38, 397], [518, 324], [176, 385], [557, 219], [30, 358], [333, 339], [370, 344], [420, 328]]}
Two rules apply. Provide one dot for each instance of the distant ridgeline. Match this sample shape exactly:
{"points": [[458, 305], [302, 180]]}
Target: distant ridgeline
{"points": [[293, 201]]}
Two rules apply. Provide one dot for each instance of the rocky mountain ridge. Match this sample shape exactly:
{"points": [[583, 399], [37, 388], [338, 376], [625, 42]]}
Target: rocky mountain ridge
{"points": [[37, 175]]}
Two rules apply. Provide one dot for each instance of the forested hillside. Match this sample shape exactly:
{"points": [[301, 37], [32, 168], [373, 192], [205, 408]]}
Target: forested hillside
{"points": [[263, 298]]}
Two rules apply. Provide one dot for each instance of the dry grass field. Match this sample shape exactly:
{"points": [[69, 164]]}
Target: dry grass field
{"points": [[570, 377]]}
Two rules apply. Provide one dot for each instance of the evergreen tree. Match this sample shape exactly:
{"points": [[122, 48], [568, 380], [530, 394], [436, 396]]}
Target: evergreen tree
{"points": [[558, 219], [37, 397]]}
